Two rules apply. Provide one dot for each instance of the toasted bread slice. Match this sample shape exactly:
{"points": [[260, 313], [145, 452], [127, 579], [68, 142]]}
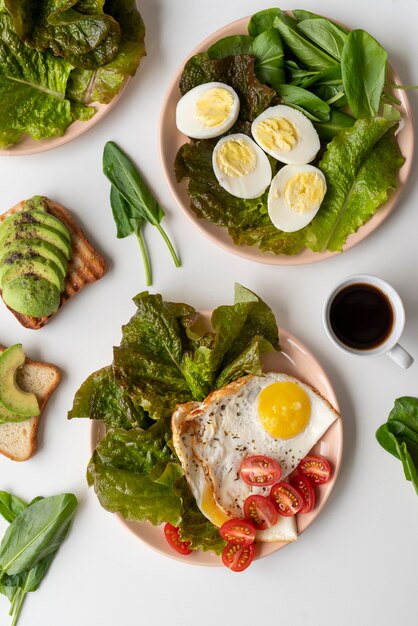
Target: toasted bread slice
{"points": [[86, 265], [18, 440]]}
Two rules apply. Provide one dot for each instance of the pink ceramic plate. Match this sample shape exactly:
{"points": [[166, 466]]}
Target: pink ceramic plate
{"points": [[296, 360], [74, 130], [171, 140]]}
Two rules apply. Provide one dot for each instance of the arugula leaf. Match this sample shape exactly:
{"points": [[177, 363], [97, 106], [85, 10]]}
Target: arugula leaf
{"points": [[360, 166], [238, 72], [324, 34], [363, 69]]}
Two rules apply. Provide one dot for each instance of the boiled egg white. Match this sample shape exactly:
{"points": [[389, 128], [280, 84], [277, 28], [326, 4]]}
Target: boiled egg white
{"points": [[295, 195], [207, 111], [241, 167], [286, 134]]}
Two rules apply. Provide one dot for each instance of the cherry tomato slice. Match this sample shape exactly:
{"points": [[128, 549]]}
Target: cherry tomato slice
{"points": [[316, 468], [238, 531], [260, 470], [287, 500], [305, 488], [260, 511], [172, 535], [238, 557]]}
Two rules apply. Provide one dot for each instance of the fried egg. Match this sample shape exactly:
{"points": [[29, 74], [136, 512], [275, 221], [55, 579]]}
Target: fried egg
{"points": [[295, 196], [207, 111], [286, 134], [274, 415], [241, 167]]}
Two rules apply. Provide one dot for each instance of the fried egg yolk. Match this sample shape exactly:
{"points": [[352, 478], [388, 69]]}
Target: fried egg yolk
{"points": [[211, 509], [284, 409], [214, 107], [236, 158], [276, 133], [304, 192]]}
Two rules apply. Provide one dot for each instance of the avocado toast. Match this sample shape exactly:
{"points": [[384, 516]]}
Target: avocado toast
{"points": [[45, 259]]}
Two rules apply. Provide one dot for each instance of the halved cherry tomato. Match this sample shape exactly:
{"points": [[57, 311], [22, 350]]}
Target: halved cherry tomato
{"points": [[238, 557], [260, 511], [316, 468], [260, 470], [173, 538], [238, 531], [305, 488], [287, 500]]}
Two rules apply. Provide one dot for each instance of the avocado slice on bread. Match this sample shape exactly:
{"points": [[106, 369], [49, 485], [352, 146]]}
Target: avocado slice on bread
{"points": [[35, 248], [12, 397]]}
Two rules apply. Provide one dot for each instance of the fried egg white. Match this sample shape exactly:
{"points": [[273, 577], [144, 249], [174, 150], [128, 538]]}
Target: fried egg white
{"points": [[274, 415]]}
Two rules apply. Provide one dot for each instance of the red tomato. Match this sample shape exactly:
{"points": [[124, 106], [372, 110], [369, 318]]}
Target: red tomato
{"points": [[173, 538], [260, 511], [287, 500], [260, 470], [304, 486], [237, 556], [238, 531], [316, 468]]}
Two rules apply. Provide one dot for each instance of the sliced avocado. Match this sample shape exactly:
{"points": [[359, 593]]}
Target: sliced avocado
{"points": [[37, 246], [37, 231], [12, 397], [34, 217], [37, 202], [31, 264], [31, 295], [8, 416]]}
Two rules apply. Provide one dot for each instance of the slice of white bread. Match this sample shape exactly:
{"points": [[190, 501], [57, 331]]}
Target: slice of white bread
{"points": [[86, 265], [18, 440]]}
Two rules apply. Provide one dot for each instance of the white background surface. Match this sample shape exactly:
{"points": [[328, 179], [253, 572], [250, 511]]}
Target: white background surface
{"points": [[357, 563]]}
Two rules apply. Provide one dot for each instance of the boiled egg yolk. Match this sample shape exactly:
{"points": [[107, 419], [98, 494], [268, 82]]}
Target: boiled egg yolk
{"points": [[236, 158], [276, 133], [304, 192], [284, 409], [214, 107]]}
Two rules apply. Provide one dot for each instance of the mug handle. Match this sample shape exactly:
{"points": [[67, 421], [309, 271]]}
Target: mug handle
{"points": [[400, 356]]}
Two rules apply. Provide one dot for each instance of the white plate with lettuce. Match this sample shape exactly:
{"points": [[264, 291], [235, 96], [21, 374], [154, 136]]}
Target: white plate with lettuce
{"points": [[341, 80], [62, 68]]}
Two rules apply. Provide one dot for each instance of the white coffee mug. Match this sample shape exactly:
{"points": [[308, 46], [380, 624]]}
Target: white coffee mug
{"points": [[390, 345]]}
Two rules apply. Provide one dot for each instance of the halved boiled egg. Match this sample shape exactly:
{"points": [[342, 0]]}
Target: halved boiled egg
{"points": [[295, 195], [208, 110], [286, 134], [241, 167]]}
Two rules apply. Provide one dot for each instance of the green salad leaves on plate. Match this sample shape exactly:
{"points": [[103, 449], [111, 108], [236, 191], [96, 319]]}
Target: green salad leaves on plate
{"points": [[336, 78], [166, 357], [58, 58]]}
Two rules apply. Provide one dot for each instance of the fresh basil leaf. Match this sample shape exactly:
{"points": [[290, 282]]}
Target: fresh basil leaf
{"points": [[262, 21], [337, 122], [305, 101], [324, 34], [363, 69], [303, 49], [360, 166]]}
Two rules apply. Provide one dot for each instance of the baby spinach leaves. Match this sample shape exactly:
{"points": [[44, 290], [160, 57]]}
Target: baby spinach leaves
{"points": [[30, 543]]}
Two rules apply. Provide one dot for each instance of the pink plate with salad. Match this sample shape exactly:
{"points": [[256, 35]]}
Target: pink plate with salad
{"points": [[340, 222]]}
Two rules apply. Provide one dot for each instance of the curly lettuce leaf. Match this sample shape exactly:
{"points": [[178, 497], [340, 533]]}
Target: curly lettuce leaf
{"points": [[360, 166], [237, 71], [102, 84], [32, 90], [247, 221]]}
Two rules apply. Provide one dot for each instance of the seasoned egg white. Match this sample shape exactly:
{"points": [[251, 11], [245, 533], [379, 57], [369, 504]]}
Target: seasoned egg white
{"points": [[207, 111], [286, 134], [241, 167], [213, 437], [295, 196]]}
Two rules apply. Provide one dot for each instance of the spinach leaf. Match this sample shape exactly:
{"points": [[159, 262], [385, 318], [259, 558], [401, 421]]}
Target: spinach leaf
{"points": [[132, 201], [363, 69], [36, 533], [230, 46], [237, 71], [399, 436], [313, 107], [268, 51], [324, 34], [262, 21], [360, 166], [337, 122], [10, 506], [303, 49]]}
